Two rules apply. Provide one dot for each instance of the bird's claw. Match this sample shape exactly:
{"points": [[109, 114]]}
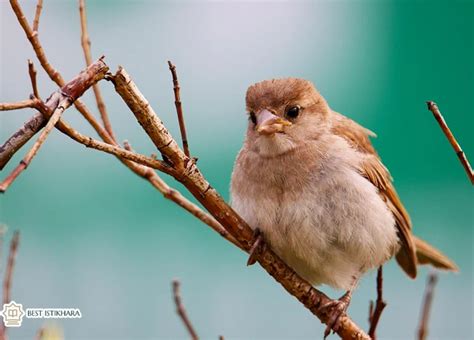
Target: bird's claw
{"points": [[335, 309], [257, 247]]}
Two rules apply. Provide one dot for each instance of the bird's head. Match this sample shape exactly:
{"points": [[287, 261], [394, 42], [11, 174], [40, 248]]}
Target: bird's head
{"points": [[283, 114]]}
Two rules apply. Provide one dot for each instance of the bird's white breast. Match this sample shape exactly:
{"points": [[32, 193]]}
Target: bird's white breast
{"points": [[323, 218]]}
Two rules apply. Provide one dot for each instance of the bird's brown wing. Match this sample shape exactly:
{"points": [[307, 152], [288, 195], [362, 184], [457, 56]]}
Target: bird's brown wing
{"points": [[373, 169]]}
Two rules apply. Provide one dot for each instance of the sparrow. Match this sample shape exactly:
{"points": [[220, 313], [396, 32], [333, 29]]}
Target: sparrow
{"points": [[310, 182]]}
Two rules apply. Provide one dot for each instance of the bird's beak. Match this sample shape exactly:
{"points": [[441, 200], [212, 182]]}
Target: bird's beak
{"points": [[269, 123]]}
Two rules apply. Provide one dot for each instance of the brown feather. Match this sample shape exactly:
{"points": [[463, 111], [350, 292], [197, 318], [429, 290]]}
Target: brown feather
{"points": [[428, 254]]}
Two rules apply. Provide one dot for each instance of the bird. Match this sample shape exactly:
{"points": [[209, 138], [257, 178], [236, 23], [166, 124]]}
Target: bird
{"points": [[311, 185]]}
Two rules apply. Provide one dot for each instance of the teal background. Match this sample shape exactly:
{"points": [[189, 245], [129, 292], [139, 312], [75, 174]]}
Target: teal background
{"points": [[96, 237]]}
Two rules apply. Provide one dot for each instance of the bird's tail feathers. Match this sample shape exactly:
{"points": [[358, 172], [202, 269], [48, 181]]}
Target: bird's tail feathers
{"points": [[427, 254]]}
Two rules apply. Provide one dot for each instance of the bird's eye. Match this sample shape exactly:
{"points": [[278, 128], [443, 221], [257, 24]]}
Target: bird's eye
{"points": [[252, 117], [293, 112]]}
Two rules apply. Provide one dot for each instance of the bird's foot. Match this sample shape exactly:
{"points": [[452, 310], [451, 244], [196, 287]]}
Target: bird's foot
{"points": [[335, 309], [257, 247]]}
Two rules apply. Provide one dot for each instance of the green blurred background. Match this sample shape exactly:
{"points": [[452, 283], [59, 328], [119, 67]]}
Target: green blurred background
{"points": [[96, 237]]}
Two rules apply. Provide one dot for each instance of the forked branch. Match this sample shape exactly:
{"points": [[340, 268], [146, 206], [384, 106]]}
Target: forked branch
{"points": [[58, 103]]}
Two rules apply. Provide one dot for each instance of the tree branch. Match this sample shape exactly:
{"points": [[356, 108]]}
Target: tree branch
{"points": [[452, 140], [86, 47], [7, 281], [58, 103], [427, 300], [179, 108], [189, 175], [380, 304], [181, 311]]}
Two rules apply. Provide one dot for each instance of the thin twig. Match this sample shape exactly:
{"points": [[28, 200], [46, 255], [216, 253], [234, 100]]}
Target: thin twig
{"points": [[39, 7], [86, 47], [433, 107], [181, 311], [31, 103], [7, 281], [32, 73], [426, 308], [85, 40], [380, 304], [179, 108]]}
